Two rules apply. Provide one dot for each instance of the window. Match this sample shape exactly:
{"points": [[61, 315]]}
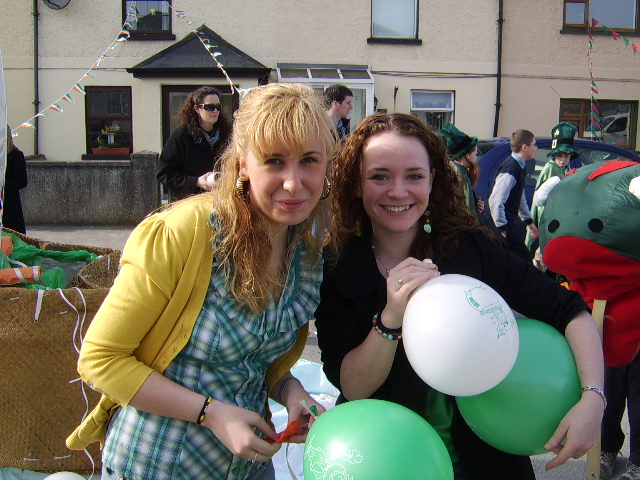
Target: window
{"points": [[433, 107], [394, 21], [320, 76], [149, 19], [108, 121], [619, 120], [619, 14]]}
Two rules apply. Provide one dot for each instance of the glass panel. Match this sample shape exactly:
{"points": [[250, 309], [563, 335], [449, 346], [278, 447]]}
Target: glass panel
{"points": [[355, 74], [616, 123], [569, 108], [589, 156], [108, 102], [614, 13], [294, 73], [112, 133], [150, 14], [431, 100], [575, 13], [324, 73], [359, 107], [435, 120], [393, 18]]}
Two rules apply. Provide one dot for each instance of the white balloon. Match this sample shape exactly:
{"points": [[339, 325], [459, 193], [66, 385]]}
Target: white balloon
{"points": [[64, 476], [459, 335]]}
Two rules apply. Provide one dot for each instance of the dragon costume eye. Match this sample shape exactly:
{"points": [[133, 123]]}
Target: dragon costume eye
{"points": [[595, 225], [553, 225]]}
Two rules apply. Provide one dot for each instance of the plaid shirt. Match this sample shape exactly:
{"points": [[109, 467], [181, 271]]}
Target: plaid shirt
{"points": [[226, 358]]}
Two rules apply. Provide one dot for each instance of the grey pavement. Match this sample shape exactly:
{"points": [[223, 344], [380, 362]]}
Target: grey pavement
{"points": [[115, 237]]}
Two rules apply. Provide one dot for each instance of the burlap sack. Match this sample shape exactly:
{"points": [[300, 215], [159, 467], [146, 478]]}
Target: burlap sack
{"points": [[40, 403]]}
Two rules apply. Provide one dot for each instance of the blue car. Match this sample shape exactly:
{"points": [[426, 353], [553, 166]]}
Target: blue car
{"points": [[492, 153]]}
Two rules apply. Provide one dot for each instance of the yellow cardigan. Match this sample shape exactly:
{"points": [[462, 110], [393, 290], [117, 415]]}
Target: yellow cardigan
{"points": [[149, 314]]}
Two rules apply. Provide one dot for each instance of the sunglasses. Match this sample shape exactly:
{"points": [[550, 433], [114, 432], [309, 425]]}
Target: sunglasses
{"points": [[210, 107]]}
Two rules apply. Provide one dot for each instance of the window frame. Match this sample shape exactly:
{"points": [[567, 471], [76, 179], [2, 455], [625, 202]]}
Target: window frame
{"points": [[451, 110], [150, 34], [582, 118], [576, 27], [409, 40], [89, 117]]}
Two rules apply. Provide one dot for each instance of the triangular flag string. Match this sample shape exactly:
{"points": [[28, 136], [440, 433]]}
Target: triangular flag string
{"points": [[596, 124], [122, 36]]}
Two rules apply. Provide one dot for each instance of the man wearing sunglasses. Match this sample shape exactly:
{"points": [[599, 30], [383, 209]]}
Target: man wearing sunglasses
{"points": [[191, 154]]}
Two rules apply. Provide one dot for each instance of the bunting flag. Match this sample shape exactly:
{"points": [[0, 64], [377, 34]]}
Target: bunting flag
{"points": [[595, 126], [596, 119], [122, 36], [634, 46]]}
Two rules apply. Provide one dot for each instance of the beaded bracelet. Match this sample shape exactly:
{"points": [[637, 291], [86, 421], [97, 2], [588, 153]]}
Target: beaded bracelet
{"points": [[281, 389], [203, 411], [388, 333], [591, 388]]}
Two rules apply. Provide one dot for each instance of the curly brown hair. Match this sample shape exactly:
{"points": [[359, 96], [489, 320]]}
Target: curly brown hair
{"points": [[189, 118], [448, 213]]}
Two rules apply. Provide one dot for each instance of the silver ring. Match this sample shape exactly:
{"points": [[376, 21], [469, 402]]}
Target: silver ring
{"points": [[255, 457], [401, 281]]}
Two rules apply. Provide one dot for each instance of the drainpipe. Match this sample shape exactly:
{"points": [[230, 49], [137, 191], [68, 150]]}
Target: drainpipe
{"points": [[496, 119], [36, 84]]}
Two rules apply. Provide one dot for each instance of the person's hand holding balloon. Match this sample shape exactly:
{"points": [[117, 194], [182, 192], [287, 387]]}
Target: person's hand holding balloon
{"points": [[579, 427], [402, 281], [294, 397]]}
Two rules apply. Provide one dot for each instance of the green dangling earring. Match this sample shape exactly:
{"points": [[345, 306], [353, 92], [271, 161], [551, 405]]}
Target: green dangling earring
{"points": [[427, 222]]}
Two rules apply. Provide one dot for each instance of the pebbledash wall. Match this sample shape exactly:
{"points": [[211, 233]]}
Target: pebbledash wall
{"points": [[95, 192]]}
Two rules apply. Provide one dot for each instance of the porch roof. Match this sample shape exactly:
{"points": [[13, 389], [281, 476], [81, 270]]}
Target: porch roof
{"points": [[189, 58]]}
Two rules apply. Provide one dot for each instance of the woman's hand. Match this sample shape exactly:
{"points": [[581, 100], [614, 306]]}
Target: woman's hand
{"points": [[402, 281], [579, 427], [479, 206], [235, 427], [204, 181], [293, 394]]}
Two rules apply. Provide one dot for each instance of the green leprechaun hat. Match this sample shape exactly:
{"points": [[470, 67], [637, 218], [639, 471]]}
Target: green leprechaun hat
{"points": [[562, 136], [458, 143]]}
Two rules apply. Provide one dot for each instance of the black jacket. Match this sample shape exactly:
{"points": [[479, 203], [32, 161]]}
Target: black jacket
{"points": [[183, 160], [15, 179], [355, 290]]}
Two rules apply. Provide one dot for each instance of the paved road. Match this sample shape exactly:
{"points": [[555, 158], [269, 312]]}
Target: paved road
{"points": [[115, 237]]}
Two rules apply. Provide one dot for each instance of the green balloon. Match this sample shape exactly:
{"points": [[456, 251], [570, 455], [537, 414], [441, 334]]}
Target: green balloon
{"points": [[374, 440], [520, 414]]}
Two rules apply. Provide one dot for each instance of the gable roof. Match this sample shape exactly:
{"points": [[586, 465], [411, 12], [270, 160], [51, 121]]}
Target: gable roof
{"points": [[189, 58]]}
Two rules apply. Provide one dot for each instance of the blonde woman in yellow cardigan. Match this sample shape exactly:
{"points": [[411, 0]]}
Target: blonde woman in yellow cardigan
{"points": [[211, 307]]}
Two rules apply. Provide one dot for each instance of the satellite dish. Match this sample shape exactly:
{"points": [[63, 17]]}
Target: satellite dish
{"points": [[56, 4]]}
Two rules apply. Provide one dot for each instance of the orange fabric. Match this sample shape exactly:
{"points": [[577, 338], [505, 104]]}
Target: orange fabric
{"points": [[14, 276], [7, 245]]}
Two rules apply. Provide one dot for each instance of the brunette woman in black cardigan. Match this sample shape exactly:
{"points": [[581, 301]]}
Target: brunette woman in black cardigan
{"points": [[397, 202], [191, 153]]}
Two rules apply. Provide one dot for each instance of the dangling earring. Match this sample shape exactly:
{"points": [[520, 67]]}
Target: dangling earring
{"points": [[241, 186], [327, 189], [427, 221]]}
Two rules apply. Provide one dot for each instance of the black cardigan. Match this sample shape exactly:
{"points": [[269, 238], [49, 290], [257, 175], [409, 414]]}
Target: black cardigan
{"points": [[354, 291], [184, 160]]}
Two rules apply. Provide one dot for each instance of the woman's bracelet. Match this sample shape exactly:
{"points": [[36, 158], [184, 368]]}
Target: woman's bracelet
{"points": [[203, 411], [599, 391], [281, 389], [388, 333]]}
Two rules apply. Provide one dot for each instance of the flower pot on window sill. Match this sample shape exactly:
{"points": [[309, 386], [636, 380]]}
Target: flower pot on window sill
{"points": [[110, 151]]}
